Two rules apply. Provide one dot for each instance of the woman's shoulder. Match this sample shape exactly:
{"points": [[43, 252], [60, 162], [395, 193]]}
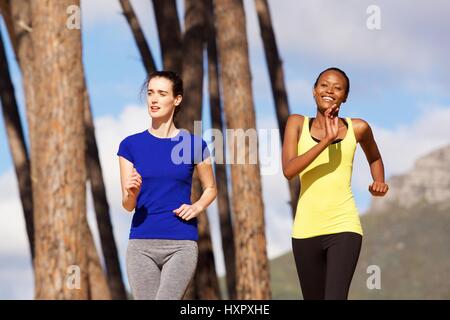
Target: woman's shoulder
{"points": [[295, 121], [133, 137], [360, 127], [296, 116], [359, 124]]}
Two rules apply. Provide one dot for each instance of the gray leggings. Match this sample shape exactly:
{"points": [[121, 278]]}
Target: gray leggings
{"points": [[160, 269]]}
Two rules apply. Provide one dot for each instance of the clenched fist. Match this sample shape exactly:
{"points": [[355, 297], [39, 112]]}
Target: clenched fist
{"points": [[378, 189], [133, 183]]}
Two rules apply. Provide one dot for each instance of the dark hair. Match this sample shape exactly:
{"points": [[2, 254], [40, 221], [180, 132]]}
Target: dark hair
{"points": [[177, 84], [337, 70]]}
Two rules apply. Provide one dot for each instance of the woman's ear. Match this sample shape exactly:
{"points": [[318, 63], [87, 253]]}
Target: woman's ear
{"points": [[178, 100]]}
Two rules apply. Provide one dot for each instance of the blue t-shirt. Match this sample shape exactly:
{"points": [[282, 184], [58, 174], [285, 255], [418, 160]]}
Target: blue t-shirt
{"points": [[166, 166]]}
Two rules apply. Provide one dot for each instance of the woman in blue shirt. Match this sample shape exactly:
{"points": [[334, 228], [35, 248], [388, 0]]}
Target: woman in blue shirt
{"points": [[156, 168]]}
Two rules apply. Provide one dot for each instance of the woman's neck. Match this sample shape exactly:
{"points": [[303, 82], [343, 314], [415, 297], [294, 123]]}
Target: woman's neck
{"points": [[319, 121], [163, 129]]}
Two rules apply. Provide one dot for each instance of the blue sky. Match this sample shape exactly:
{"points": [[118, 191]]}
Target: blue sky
{"points": [[399, 78]]}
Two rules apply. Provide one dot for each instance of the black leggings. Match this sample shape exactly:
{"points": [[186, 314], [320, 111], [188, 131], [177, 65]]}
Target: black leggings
{"points": [[325, 264]]}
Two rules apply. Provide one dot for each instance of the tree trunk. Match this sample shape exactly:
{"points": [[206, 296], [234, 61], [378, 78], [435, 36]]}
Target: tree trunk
{"points": [[193, 45], [138, 34], [276, 76], [226, 227], [169, 32], [206, 285], [58, 155], [253, 278], [98, 286], [17, 16], [18, 19], [17, 144], [101, 206]]}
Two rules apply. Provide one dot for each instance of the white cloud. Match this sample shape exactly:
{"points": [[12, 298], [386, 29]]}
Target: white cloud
{"points": [[409, 38], [407, 52], [16, 277], [13, 237], [338, 31], [402, 145]]}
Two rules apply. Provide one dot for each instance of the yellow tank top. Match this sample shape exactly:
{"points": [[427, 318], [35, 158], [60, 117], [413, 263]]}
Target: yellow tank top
{"points": [[326, 204]]}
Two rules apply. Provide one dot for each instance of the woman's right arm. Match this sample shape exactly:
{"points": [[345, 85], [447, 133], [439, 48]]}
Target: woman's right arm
{"points": [[293, 165], [131, 182]]}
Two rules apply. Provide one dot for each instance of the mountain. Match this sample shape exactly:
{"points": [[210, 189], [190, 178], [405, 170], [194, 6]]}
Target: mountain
{"points": [[427, 183], [406, 236]]}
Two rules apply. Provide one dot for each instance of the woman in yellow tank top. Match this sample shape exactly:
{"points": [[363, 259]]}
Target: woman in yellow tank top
{"points": [[327, 233]]}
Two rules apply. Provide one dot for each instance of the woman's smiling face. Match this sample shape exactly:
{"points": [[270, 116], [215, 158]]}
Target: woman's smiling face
{"points": [[331, 89], [160, 100]]}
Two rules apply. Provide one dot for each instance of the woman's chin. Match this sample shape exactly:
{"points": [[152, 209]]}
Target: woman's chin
{"points": [[324, 106], [157, 116]]}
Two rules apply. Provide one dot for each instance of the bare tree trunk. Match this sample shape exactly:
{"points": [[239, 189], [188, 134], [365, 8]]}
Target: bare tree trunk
{"points": [[226, 227], [144, 49], [169, 32], [253, 278], [18, 19], [5, 11], [17, 144], [17, 15], [98, 286], [108, 243], [193, 45], [205, 283], [276, 76], [58, 155]]}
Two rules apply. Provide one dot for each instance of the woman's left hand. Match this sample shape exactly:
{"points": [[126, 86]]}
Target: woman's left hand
{"points": [[378, 188], [187, 212]]}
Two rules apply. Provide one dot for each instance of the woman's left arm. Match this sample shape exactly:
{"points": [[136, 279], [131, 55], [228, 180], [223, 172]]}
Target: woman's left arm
{"points": [[206, 176], [364, 136]]}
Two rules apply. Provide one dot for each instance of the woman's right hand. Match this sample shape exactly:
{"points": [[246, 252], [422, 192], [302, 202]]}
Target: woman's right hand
{"points": [[331, 123], [133, 184]]}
